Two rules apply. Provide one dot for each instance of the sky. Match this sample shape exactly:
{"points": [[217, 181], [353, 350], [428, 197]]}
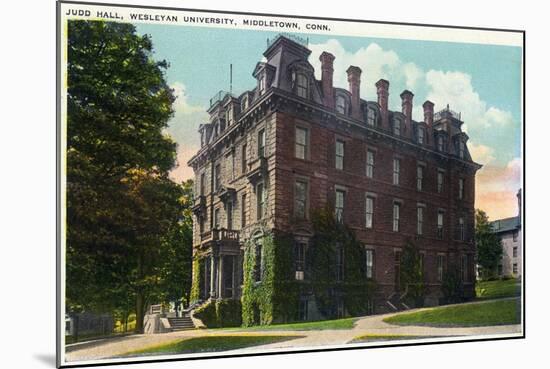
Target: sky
{"points": [[482, 82]]}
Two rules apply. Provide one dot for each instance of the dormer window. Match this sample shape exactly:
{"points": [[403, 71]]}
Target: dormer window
{"points": [[397, 127], [341, 105], [440, 144], [301, 85], [421, 135], [371, 117], [229, 115]]}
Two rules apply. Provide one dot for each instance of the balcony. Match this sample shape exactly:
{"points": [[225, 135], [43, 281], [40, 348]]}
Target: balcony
{"points": [[257, 170], [221, 234]]}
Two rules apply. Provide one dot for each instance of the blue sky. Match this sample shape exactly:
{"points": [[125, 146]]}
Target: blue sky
{"points": [[483, 82]]}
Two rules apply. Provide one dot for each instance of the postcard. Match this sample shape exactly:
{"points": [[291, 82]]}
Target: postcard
{"points": [[240, 184]]}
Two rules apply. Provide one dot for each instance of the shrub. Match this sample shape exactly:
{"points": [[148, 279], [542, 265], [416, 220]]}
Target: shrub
{"points": [[220, 313]]}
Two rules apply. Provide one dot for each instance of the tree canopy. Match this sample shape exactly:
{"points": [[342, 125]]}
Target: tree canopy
{"points": [[126, 219], [489, 246]]}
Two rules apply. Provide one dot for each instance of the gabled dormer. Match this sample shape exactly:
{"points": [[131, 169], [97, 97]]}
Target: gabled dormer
{"points": [[460, 141], [371, 113], [264, 74]]}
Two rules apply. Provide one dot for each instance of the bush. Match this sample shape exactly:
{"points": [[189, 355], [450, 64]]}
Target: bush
{"points": [[453, 288], [220, 313]]}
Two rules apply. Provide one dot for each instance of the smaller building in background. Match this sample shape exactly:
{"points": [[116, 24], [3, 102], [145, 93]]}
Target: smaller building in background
{"points": [[509, 231]]}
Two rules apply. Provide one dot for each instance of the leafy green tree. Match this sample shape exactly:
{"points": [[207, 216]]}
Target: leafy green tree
{"points": [[124, 215], [489, 246]]}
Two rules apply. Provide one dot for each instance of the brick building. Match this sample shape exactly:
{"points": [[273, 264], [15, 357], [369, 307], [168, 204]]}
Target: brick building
{"points": [[293, 144]]}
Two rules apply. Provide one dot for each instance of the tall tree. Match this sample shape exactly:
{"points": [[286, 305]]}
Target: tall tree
{"points": [[120, 203], [489, 246]]}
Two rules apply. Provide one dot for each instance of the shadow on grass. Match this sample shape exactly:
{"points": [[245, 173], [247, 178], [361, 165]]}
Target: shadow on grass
{"points": [[210, 344]]}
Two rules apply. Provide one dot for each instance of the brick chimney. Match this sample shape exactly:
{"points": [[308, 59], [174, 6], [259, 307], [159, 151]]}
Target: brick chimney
{"points": [[428, 112], [354, 79], [407, 106], [327, 71], [382, 89]]}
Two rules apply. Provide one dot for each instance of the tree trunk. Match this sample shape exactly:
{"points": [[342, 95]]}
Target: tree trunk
{"points": [[140, 312]]}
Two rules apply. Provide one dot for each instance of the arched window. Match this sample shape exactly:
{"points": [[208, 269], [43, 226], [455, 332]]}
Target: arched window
{"points": [[341, 105]]}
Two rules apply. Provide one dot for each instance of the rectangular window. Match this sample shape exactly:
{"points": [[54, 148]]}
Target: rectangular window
{"points": [[420, 135], [260, 199], [419, 177], [261, 143], [461, 188], [217, 175], [243, 159], [203, 184], [461, 233], [515, 268], [243, 210], [300, 199], [339, 262], [369, 211], [370, 163], [419, 220], [396, 210], [396, 170], [461, 149], [440, 144], [440, 178], [339, 159], [299, 259], [369, 263], [440, 224], [339, 205], [341, 104], [515, 252], [229, 209], [217, 218], [302, 86], [301, 143], [233, 164], [258, 265], [440, 266]]}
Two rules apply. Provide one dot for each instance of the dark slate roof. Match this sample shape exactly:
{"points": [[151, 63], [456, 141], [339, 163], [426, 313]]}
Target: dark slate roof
{"points": [[505, 225]]}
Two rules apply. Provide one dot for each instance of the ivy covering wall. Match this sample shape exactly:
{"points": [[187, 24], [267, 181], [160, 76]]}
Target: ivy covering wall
{"points": [[274, 298], [220, 313], [198, 271]]}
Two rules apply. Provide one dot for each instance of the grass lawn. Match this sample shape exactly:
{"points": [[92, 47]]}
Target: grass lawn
{"points": [[497, 289], [471, 315], [346, 323], [384, 337], [210, 344]]}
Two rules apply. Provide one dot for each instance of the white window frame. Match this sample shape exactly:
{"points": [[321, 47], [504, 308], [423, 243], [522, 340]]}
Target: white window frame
{"points": [[304, 200], [301, 148], [419, 177], [421, 135], [369, 211], [371, 117], [302, 90], [370, 163], [341, 104], [440, 224], [396, 216], [396, 171], [369, 263], [260, 200], [339, 155], [339, 207]]}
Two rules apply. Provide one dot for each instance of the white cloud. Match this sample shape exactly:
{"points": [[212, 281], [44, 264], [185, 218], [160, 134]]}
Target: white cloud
{"points": [[183, 127], [455, 88], [481, 154]]}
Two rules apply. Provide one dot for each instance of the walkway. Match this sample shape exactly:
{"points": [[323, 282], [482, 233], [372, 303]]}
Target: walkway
{"points": [[367, 325]]}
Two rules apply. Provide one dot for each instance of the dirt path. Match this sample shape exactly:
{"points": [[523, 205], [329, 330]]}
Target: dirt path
{"points": [[367, 325]]}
